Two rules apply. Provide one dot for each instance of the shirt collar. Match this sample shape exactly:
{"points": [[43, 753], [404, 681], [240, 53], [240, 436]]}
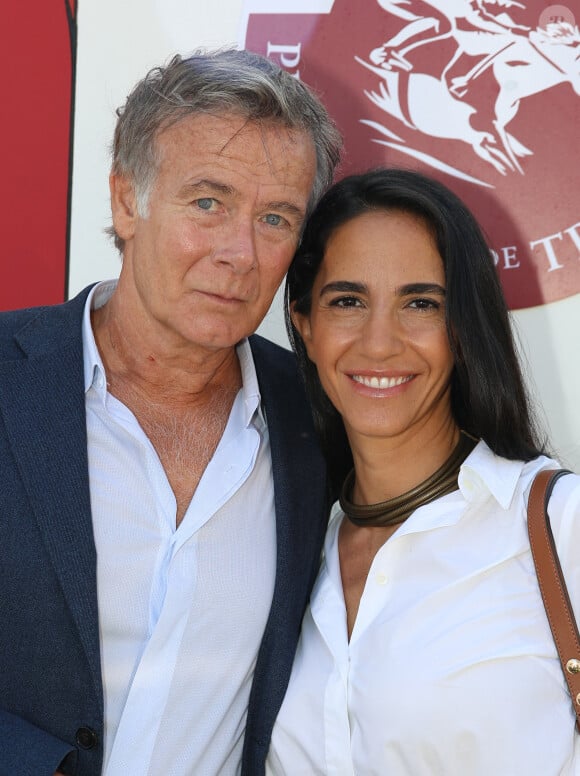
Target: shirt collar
{"points": [[484, 473], [481, 474], [250, 387], [94, 371]]}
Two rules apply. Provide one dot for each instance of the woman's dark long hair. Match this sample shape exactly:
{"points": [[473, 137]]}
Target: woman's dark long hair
{"points": [[488, 395]]}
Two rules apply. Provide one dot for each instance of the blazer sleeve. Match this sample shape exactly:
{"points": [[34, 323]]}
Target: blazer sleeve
{"points": [[26, 750]]}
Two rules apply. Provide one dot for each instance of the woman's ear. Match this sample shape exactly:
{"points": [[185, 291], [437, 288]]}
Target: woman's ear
{"points": [[301, 322]]}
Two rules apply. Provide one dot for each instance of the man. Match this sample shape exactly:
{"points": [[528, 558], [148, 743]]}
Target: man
{"points": [[162, 498]]}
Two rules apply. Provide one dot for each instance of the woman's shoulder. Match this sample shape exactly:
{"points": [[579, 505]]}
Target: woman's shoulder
{"points": [[565, 498], [566, 492], [517, 476], [564, 508], [564, 513]]}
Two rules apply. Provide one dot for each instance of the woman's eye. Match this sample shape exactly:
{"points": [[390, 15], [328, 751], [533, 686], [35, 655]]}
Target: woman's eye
{"points": [[425, 304], [205, 203], [346, 301]]}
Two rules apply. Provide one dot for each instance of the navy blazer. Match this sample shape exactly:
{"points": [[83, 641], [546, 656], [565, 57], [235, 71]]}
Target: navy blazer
{"points": [[51, 695]]}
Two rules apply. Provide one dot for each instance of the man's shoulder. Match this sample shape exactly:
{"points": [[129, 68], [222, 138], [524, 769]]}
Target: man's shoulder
{"points": [[45, 324], [282, 388], [268, 355], [277, 370]]}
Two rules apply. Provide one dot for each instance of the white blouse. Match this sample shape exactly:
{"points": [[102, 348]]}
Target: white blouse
{"points": [[451, 669]]}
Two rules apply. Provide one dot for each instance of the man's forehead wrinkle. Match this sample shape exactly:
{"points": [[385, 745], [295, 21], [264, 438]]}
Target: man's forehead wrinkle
{"points": [[283, 135], [246, 122], [266, 149], [224, 156]]}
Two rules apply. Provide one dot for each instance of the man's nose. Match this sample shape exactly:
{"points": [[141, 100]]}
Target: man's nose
{"points": [[236, 247]]}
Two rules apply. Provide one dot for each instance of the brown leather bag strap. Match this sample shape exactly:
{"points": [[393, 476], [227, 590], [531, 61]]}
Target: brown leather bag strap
{"points": [[552, 584]]}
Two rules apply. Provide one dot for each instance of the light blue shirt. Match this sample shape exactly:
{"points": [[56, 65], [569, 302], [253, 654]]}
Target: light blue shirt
{"points": [[181, 611]]}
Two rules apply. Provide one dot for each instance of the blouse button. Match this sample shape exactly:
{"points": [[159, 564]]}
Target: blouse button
{"points": [[381, 579]]}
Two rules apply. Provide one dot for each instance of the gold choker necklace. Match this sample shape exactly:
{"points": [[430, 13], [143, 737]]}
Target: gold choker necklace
{"points": [[396, 510]]}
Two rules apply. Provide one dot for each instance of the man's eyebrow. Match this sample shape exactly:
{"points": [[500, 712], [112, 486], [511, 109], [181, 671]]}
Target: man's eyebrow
{"points": [[206, 185], [286, 207]]}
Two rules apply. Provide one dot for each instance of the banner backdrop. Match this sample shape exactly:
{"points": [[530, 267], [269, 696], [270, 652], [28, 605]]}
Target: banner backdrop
{"points": [[483, 98], [482, 94]]}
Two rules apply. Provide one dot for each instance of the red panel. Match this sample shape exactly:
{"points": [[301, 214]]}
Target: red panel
{"points": [[37, 64]]}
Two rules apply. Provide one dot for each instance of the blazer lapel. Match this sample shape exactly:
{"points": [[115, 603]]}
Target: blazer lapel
{"points": [[44, 413], [301, 509], [298, 467]]}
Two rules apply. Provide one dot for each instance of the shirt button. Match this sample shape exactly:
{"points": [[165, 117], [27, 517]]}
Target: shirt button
{"points": [[381, 579], [86, 738]]}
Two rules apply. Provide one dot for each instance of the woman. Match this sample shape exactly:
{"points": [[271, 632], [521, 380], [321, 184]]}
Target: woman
{"points": [[425, 649]]}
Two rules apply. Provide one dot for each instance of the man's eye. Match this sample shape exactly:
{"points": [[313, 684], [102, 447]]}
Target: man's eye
{"points": [[205, 203], [273, 219]]}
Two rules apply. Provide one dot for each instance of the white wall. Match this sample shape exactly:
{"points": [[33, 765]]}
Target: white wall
{"points": [[118, 42]]}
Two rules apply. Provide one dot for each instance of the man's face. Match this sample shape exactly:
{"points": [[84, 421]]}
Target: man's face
{"points": [[224, 217]]}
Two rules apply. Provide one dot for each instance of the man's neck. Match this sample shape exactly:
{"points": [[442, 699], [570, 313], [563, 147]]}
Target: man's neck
{"points": [[176, 375]]}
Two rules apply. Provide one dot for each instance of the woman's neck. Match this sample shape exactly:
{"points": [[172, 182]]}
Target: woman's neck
{"points": [[388, 467]]}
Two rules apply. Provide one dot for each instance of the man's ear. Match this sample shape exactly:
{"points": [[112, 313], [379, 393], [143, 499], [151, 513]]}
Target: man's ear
{"points": [[301, 323], [123, 205]]}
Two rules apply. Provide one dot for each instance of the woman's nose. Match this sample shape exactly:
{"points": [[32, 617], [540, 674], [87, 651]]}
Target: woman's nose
{"points": [[382, 335]]}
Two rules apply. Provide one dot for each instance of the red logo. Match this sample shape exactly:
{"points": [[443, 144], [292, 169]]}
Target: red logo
{"points": [[481, 94]]}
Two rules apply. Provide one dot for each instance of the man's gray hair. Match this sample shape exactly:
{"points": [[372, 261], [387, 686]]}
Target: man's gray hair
{"points": [[231, 81]]}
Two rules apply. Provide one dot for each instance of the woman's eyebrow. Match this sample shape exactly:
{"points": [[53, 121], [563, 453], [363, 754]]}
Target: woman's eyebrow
{"points": [[421, 288], [361, 288], [343, 285]]}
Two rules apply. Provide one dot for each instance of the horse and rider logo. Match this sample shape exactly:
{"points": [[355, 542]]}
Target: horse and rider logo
{"points": [[482, 94], [523, 62]]}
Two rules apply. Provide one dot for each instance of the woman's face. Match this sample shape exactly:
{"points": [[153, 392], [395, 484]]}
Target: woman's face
{"points": [[376, 329]]}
